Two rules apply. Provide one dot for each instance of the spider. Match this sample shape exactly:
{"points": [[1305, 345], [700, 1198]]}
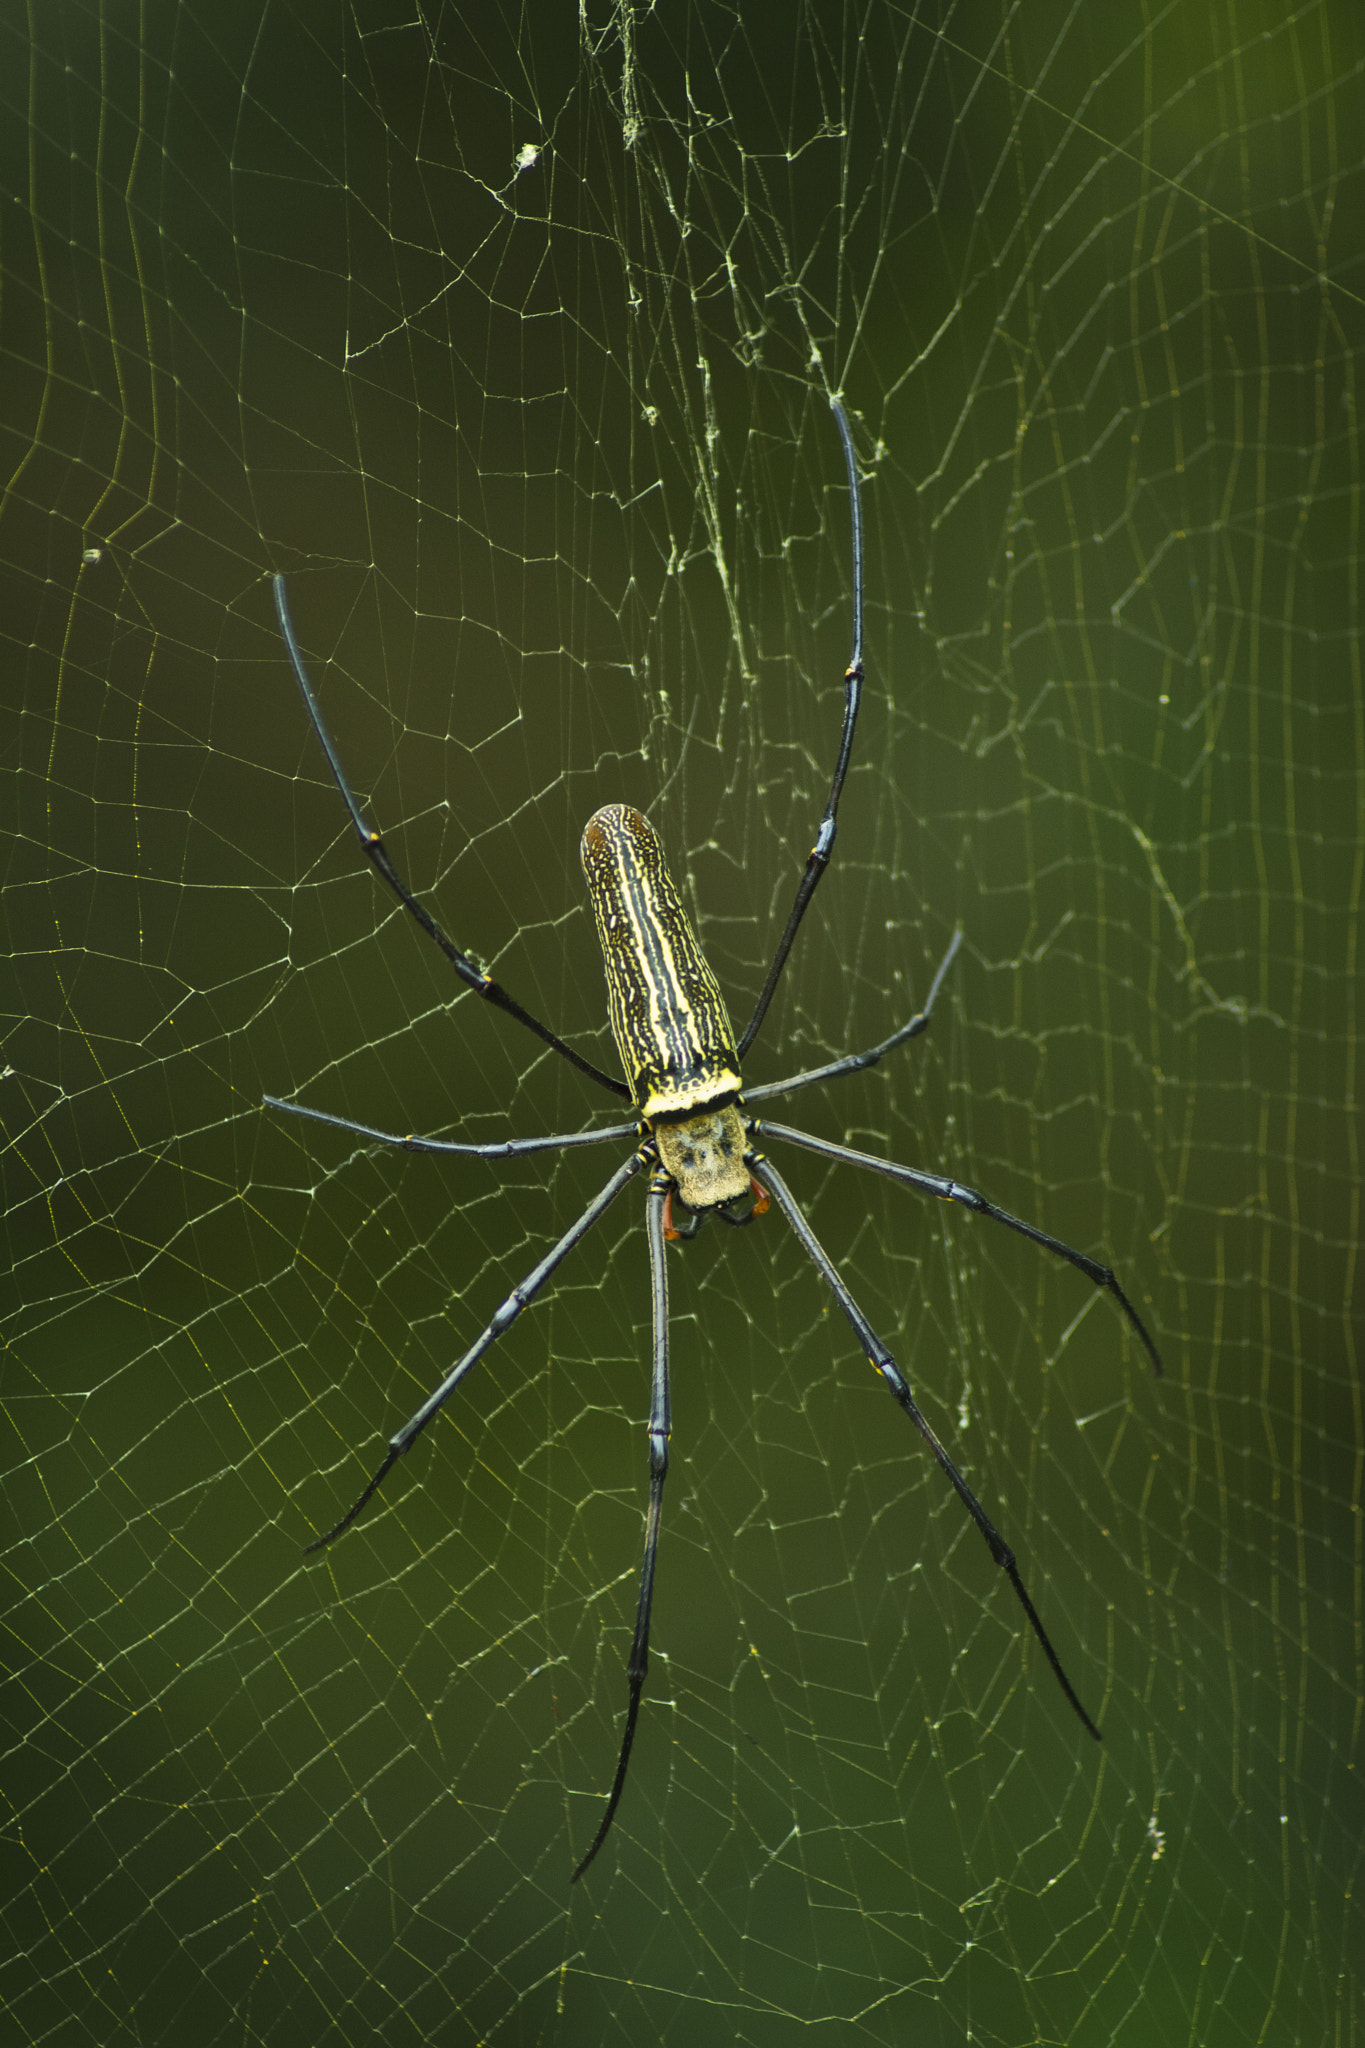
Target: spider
{"points": [[691, 1124]]}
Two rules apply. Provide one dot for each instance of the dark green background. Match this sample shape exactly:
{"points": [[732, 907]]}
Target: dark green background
{"points": [[547, 459]]}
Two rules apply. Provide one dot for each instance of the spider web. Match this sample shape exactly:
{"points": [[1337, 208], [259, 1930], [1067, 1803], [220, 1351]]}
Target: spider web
{"points": [[508, 339]]}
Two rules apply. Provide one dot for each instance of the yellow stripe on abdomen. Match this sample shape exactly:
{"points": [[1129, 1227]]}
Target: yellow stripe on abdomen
{"points": [[667, 1014]]}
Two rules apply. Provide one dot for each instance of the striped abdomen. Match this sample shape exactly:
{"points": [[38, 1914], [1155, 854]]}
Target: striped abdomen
{"points": [[667, 1014]]}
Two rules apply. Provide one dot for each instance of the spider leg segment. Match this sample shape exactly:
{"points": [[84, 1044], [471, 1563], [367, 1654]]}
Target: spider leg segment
{"points": [[660, 1427], [956, 1191], [520, 1297], [500, 1148], [819, 857], [885, 1364], [377, 854], [855, 1062]]}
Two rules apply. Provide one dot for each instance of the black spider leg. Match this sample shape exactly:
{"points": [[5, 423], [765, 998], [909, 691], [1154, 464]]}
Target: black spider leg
{"points": [[376, 853], [854, 1062], [497, 1148], [955, 1191], [879, 1357], [521, 1295], [660, 1427], [819, 857]]}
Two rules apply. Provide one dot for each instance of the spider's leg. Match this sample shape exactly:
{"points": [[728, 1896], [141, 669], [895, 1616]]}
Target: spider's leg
{"points": [[956, 1191], [501, 1148], [660, 1424], [854, 1062], [819, 856], [377, 854], [886, 1365], [404, 1439]]}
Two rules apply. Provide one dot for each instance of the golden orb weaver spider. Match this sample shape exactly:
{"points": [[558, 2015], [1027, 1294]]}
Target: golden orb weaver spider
{"points": [[690, 1119]]}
